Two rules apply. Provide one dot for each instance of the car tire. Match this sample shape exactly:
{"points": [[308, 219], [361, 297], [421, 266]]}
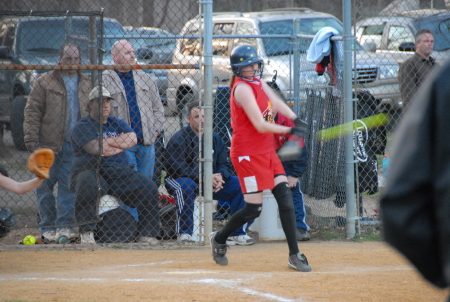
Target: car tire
{"points": [[182, 104], [16, 120], [2, 132]]}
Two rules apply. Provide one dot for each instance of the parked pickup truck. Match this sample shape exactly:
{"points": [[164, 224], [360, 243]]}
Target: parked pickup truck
{"points": [[14, 86]]}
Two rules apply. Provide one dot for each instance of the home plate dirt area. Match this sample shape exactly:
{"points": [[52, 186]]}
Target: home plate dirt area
{"points": [[341, 271]]}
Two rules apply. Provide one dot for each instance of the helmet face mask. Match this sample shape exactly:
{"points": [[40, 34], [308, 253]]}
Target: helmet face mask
{"points": [[245, 55], [257, 72]]}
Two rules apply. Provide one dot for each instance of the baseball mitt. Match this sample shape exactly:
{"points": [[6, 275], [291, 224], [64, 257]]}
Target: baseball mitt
{"points": [[40, 162]]}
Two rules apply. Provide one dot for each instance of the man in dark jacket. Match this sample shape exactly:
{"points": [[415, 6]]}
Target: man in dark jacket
{"points": [[415, 204], [413, 71], [294, 170], [182, 166], [101, 167]]}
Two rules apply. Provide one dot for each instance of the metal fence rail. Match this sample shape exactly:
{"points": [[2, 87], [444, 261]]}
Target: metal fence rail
{"points": [[189, 60]]}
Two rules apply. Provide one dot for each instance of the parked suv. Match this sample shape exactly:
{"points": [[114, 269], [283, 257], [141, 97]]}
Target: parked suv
{"points": [[394, 34], [37, 40], [373, 73], [14, 85]]}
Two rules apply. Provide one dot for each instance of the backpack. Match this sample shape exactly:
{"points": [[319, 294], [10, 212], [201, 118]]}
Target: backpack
{"points": [[116, 226], [168, 217]]}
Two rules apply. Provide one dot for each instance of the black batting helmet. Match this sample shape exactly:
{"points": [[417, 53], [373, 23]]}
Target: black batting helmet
{"points": [[245, 55]]}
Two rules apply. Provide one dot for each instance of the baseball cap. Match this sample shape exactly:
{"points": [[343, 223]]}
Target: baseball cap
{"points": [[95, 93]]}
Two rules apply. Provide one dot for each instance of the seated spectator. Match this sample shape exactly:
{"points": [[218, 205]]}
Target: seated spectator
{"points": [[182, 158], [100, 167]]}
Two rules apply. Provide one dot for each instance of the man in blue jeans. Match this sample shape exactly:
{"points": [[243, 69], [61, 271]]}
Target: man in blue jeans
{"points": [[137, 102], [294, 170], [56, 102], [182, 166]]}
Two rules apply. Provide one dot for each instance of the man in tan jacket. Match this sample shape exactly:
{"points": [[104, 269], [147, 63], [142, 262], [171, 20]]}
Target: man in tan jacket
{"points": [[136, 101], [57, 101]]}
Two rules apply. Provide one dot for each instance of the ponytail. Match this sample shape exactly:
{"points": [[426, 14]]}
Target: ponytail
{"points": [[232, 78]]}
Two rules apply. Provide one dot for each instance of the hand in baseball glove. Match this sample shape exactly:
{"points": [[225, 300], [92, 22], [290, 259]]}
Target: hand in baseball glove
{"points": [[40, 162], [300, 129]]}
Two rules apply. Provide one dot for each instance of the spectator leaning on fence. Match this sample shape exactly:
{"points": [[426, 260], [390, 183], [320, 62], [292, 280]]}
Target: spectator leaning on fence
{"points": [[294, 170], [414, 70], [56, 102], [182, 165], [136, 101], [109, 170]]}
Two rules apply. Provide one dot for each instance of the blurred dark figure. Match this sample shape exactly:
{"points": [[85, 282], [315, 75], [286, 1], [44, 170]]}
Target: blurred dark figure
{"points": [[415, 206]]}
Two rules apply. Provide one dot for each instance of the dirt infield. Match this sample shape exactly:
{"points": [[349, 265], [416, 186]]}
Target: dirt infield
{"points": [[342, 271]]}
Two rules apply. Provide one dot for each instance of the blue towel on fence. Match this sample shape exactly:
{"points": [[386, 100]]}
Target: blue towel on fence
{"points": [[320, 45]]}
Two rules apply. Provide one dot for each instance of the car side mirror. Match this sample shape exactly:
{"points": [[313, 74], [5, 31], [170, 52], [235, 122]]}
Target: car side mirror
{"points": [[144, 53], [407, 46], [370, 46]]}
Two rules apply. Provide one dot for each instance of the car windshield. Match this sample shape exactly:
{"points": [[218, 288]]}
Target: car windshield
{"points": [[440, 28], [112, 28], [41, 36], [142, 40], [45, 36], [149, 43], [138, 43], [276, 47]]}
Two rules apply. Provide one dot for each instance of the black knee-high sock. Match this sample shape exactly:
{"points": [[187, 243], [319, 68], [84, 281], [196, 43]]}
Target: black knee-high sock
{"points": [[249, 212], [283, 196]]}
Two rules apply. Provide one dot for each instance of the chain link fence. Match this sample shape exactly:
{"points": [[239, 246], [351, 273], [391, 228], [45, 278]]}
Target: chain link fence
{"points": [[103, 187], [134, 187], [391, 33]]}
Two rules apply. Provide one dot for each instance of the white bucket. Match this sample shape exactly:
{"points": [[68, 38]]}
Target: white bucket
{"points": [[255, 226], [107, 203], [269, 223], [198, 224]]}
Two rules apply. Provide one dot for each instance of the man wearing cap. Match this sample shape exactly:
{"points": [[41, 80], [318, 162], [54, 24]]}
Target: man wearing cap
{"points": [[56, 102], [100, 162]]}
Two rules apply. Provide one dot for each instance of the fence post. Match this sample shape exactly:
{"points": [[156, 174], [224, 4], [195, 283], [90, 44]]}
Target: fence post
{"points": [[93, 44], [296, 67], [348, 98], [208, 105]]}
